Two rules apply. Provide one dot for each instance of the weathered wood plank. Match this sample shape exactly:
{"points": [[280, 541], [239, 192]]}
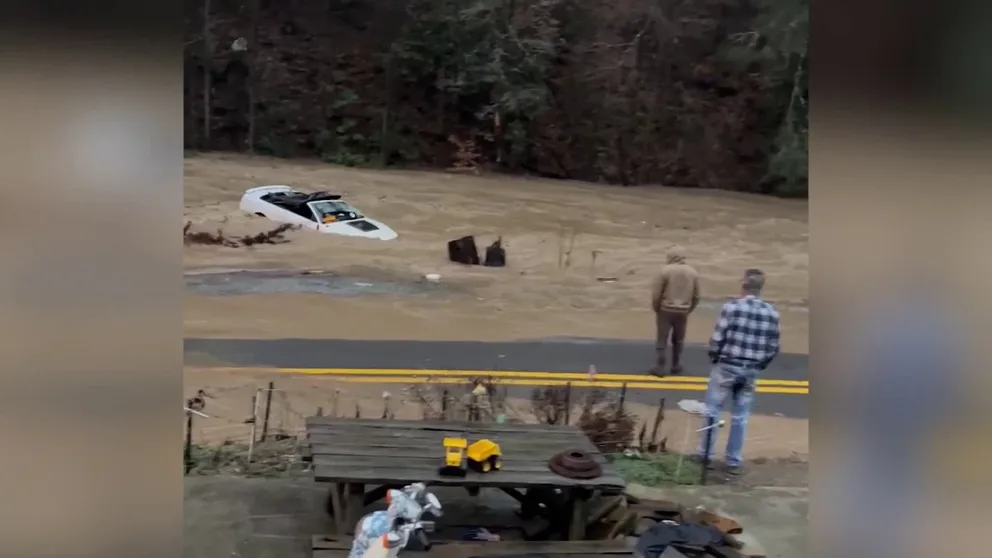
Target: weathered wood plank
{"points": [[332, 542], [429, 436], [383, 450], [578, 501], [338, 510], [413, 438], [345, 457], [442, 552], [541, 547], [480, 552], [381, 433], [436, 425], [356, 506], [610, 482], [517, 466], [333, 445]]}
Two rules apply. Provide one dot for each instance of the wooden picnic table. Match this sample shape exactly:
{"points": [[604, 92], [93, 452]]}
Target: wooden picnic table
{"points": [[354, 453]]}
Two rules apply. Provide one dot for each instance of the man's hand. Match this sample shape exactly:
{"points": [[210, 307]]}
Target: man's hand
{"points": [[719, 333]]}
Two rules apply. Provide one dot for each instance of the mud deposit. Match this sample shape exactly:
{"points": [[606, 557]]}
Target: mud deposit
{"points": [[294, 282]]}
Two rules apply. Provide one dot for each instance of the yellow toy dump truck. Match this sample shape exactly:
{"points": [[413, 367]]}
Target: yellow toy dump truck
{"points": [[485, 456], [454, 457]]}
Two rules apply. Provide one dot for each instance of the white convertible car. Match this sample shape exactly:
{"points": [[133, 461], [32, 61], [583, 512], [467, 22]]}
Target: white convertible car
{"points": [[318, 211]]}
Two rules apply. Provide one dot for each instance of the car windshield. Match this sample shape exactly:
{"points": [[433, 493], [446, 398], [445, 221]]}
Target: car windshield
{"points": [[327, 208]]}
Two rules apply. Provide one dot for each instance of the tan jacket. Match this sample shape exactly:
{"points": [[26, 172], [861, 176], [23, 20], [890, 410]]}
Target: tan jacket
{"points": [[677, 287]]}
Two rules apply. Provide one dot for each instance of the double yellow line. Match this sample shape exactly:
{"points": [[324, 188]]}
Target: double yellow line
{"points": [[537, 379]]}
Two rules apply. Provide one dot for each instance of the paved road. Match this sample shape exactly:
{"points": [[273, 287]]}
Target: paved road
{"points": [[551, 355]]}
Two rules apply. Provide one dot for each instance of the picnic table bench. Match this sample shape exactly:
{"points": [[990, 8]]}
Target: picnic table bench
{"points": [[351, 454], [336, 547]]}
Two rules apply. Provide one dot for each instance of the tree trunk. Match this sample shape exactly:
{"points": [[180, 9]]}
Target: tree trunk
{"points": [[251, 59], [207, 66], [440, 103], [385, 139]]}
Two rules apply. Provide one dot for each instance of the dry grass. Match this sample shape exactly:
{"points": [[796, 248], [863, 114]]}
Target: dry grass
{"points": [[559, 238]]}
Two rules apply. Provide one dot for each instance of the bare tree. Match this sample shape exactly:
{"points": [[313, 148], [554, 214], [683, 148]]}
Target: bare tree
{"points": [[207, 57], [250, 58]]}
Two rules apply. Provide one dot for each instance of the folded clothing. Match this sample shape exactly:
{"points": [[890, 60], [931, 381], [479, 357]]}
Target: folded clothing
{"points": [[660, 536]]}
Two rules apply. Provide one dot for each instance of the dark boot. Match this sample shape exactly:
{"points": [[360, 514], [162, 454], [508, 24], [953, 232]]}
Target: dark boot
{"points": [[658, 371], [659, 367]]}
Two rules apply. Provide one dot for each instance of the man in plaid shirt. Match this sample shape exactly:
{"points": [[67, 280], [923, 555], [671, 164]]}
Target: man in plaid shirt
{"points": [[744, 342]]}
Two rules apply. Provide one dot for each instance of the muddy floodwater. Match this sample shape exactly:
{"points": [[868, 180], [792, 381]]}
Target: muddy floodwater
{"points": [[232, 283]]}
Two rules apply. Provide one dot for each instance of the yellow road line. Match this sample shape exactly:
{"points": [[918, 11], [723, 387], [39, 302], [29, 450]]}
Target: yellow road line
{"points": [[512, 374], [547, 382]]}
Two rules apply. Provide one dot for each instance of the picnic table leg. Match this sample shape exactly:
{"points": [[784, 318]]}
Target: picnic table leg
{"points": [[336, 507], [578, 503], [356, 505]]}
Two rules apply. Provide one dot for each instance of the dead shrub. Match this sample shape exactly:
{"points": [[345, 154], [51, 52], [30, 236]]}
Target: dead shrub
{"points": [[477, 399], [609, 426], [550, 404], [272, 236]]}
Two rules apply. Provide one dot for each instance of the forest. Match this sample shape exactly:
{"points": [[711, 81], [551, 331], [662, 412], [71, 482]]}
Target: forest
{"points": [[684, 93]]}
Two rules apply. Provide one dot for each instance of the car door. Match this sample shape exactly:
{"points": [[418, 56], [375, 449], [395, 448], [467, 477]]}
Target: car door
{"points": [[315, 217]]}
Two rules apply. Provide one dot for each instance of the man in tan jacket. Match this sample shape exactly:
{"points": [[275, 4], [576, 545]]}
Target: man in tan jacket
{"points": [[674, 296]]}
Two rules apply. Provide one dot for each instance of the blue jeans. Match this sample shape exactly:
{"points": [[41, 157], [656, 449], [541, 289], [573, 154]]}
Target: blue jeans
{"points": [[737, 384]]}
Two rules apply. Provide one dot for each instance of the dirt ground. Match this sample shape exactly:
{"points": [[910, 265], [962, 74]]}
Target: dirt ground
{"points": [[560, 238]]}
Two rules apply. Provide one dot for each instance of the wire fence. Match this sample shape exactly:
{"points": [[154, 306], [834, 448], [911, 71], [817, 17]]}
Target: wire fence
{"points": [[271, 421]]}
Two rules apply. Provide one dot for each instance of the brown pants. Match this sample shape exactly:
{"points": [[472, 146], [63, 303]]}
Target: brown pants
{"points": [[670, 324]]}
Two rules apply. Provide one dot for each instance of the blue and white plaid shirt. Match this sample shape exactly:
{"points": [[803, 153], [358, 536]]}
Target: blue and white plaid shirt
{"points": [[746, 334]]}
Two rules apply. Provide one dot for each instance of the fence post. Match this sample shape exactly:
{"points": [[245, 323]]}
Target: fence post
{"points": [[444, 404], [188, 447], [706, 448], [268, 409], [568, 403], [320, 411], [254, 424], [660, 416], [623, 397]]}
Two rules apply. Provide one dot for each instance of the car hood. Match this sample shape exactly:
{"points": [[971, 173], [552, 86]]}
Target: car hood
{"points": [[364, 227]]}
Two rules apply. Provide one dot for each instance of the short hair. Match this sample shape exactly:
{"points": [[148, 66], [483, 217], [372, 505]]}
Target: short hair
{"points": [[754, 280]]}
